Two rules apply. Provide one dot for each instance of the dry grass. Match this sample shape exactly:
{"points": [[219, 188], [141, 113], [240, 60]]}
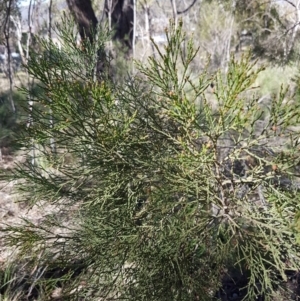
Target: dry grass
{"points": [[12, 212], [270, 80], [20, 79]]}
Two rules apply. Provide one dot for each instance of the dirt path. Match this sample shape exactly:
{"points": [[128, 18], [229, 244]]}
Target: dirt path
{"points": [[12, 210]]}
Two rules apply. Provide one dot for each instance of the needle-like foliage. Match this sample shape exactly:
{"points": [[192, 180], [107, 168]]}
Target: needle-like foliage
{"points": [[158, 194]]}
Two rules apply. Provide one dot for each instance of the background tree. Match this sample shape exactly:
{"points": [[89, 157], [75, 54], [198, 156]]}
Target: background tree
{"points": [[85, 17], [119, 12], [10, 8]]}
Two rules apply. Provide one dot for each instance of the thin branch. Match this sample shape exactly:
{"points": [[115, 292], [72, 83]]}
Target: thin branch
{"points": [[187, 9], [290, 2], [7, 38], [175, 14]]}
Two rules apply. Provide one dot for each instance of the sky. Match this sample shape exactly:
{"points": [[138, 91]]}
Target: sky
{"points": [[26, 2]]}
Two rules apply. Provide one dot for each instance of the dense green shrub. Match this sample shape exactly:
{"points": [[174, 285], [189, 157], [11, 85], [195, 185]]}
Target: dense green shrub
{"points": [[9, 121], [13, 123], [156, 198]]}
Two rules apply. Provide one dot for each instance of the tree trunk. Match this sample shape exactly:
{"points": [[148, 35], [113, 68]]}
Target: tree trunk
{"points": [[84, 16], [9, 7], [122, 18], [174, 9], [120, 12]]}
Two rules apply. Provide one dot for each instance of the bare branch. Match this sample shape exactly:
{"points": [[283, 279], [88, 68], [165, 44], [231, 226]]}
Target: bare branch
{"points": [[187, 9], [290, 2], [7, 38]]}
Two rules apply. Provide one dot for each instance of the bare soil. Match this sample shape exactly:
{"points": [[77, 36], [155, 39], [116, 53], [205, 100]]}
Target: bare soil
{"points": [[11, 209]]}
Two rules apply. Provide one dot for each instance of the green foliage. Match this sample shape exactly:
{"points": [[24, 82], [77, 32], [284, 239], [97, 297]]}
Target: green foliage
{"points": [[266, 23], [8, 291], [255, 12], [11, 122], [160, 196]]}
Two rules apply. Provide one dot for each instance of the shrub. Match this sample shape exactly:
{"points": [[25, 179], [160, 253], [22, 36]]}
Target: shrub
{"points": [[11, 123], [156, 198]]}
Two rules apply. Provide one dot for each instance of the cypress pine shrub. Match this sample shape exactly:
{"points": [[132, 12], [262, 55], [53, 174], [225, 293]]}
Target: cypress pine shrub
{"points": [[157, 194]]}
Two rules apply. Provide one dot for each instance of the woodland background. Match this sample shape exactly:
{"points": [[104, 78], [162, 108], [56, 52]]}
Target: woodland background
{"points": [[270, 29]]}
